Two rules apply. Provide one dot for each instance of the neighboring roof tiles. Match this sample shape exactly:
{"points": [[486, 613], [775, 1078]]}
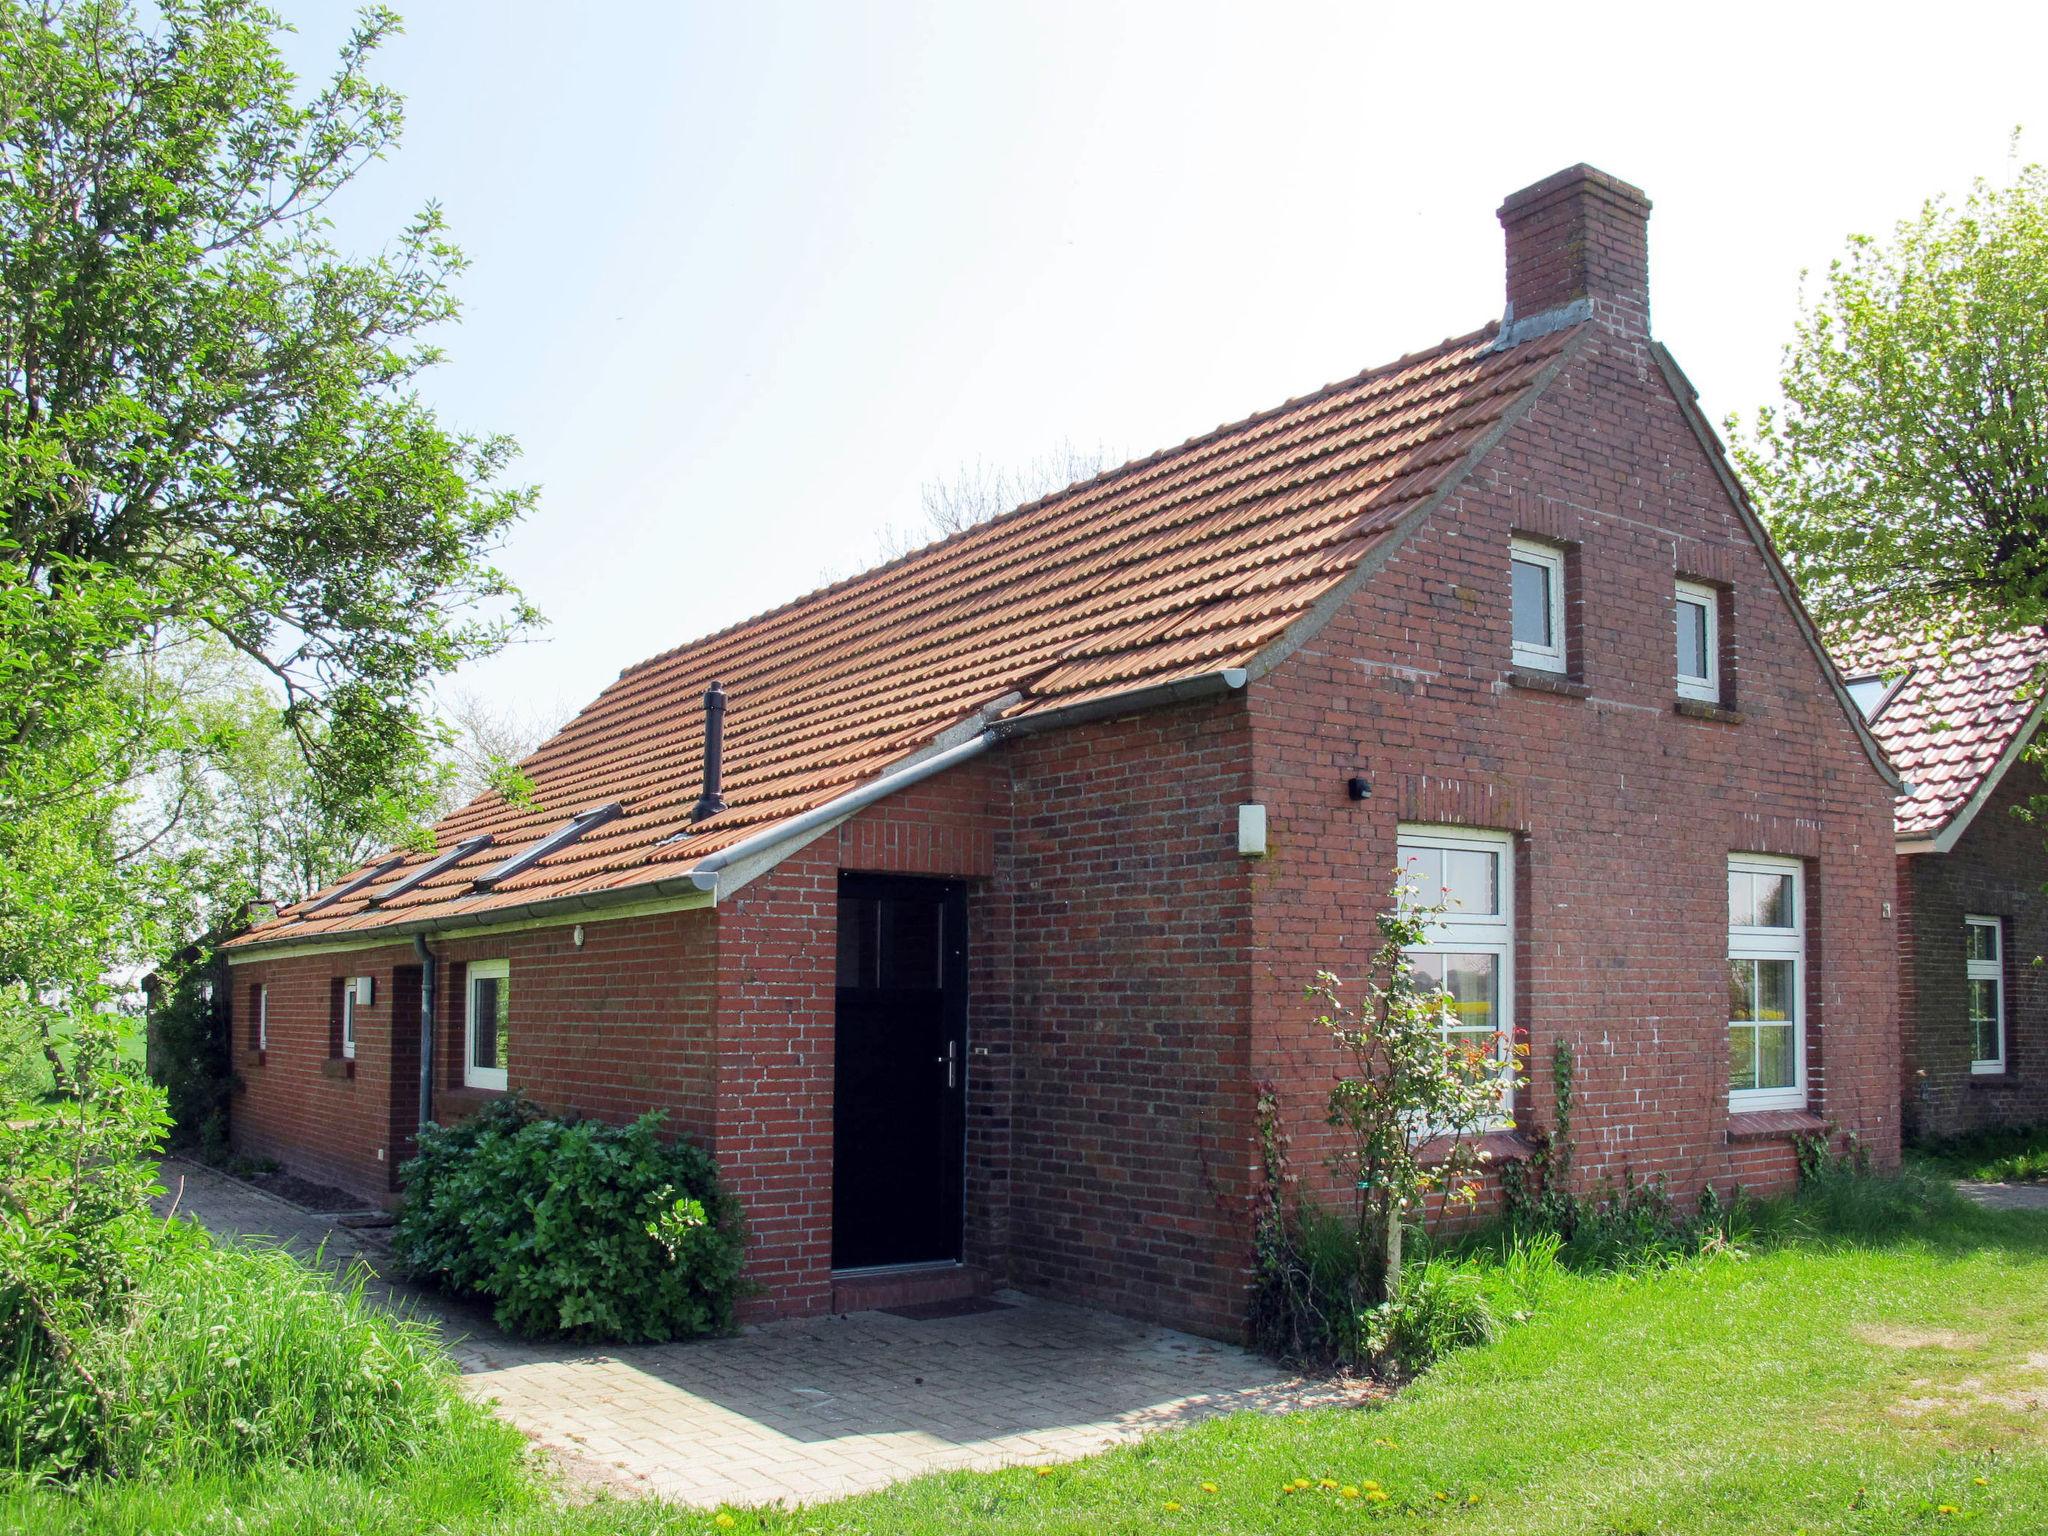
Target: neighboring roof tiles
{"points": [[1186, 563], [1954, 722]]}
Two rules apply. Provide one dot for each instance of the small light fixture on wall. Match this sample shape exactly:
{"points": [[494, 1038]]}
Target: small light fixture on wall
{"points": [[1358, 787], [577, 937], [1251, 831]]}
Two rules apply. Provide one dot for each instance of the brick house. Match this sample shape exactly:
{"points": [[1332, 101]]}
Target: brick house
{"points": [[970, 947], [1973, 877]]}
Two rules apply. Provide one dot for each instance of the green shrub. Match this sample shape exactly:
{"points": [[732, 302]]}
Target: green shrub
{"points": [[189, 1055], [573, 1228], [76, 1237], [1442, 1307]]}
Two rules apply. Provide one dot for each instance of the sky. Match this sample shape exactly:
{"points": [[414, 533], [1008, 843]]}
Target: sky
{"points": [[746, 277]]}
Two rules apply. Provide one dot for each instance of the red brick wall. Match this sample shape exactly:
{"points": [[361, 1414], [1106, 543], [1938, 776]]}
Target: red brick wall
{"points": [[1131, 1096], [1625, 810], [1999, 868], [619, 1026]]}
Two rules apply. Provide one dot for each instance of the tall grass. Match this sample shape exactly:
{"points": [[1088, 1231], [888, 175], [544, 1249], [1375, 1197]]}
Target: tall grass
{"points": [[241, 1353], [235, 1356], [2005, 1154]]}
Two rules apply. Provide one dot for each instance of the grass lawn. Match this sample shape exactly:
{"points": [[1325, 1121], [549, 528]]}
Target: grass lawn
{"points": [[2005, 1154], [1888, 1383]]}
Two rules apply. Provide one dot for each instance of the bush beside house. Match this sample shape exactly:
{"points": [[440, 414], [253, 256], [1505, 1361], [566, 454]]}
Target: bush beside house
{"points": [[573, 1228]]}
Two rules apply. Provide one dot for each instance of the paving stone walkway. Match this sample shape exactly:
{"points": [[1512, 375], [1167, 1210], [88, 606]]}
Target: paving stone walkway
{"points": [[2006, 1197], [817, 1408]]}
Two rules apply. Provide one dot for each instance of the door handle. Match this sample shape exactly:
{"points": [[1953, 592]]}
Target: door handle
{"points": [[952, 1061]]}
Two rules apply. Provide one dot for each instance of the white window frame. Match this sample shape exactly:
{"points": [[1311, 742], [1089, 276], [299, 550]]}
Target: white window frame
{"points": [[1748, 942], [1539, 658], [1693, 594], [1992, 970], [474, 1076], [263, 1017], [1466, 933], [348, 1019]]}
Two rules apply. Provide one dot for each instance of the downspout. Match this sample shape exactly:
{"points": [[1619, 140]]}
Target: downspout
{"points": [[426, 959]]}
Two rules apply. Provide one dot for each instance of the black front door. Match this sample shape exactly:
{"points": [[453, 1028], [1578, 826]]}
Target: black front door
{"points": [[900, 1074]]}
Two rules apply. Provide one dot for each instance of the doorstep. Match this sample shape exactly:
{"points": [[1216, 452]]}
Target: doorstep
{"points": [[905, 1285]]}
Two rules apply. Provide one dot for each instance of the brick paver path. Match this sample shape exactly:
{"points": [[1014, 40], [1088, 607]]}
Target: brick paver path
{"points": [[821, 1407], [2006, 1197]]}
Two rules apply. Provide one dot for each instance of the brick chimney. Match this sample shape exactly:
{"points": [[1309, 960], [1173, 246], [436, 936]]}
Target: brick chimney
{"points": [[1578, 248]]}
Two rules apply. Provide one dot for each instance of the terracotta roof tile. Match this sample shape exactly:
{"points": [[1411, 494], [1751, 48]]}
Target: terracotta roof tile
{"points": [[1951, 718], [1188, 562]]}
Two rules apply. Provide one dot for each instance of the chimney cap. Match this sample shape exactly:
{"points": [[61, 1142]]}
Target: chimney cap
{"points": [[1572, 179]]}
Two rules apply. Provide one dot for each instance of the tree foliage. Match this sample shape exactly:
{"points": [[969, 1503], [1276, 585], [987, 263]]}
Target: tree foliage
{"points": [[212, 434], [1905, 473], [202, 395]]}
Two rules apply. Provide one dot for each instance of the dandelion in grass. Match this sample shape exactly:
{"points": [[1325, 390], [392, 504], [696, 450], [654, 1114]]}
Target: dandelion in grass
{"points": [[1471, 1498], [1347, 1492], [1210, 1488], [1981, 1482], [1045, 1471], [1376, 1495], [722, 1519], [1326, 1482], [1171, 1507], [1946, 1510]]}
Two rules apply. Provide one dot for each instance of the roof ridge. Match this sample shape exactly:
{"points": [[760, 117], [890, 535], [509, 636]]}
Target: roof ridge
{"points": [[1100, 478]]}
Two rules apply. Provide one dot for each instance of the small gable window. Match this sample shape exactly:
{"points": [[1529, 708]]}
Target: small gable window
{"points": [[1984, 972], [487, 1033], [1698, 609], [1537, 572]]}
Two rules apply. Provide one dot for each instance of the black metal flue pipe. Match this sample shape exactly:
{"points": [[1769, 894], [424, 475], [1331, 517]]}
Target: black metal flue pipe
{"points": [[711, 801]]}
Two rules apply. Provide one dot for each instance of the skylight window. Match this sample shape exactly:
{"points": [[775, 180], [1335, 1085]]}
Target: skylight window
{"points": [[367, 877], [433, 867], [560, 838], [1872, 692]]}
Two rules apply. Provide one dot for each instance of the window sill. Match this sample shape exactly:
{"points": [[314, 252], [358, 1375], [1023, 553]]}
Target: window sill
{"points": [[1700, 709], [1492, 1146], [459, 1103], [1773, 1124], [1559, 683], [339, 1067]]}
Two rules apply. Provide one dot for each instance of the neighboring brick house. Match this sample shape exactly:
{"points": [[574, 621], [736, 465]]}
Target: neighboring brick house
{"points": [[1030, 840], [1957, 722]]}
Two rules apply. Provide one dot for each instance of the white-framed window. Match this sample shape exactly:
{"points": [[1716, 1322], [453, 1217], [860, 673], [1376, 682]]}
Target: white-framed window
{"points": [[1984, 978], [487, 1032], [1470, 949], [1698, 609], [1536, 574], [348, 1019], [1766, 982], [263, 1018]]}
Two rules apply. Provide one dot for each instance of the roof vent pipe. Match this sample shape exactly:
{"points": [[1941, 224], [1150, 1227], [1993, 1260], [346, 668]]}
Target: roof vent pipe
{"points": [[711, 802]]}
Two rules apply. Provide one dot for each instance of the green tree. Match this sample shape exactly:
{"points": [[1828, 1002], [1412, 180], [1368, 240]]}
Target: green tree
{"points": [[202, 395], [1408, 1101], [211, 431], [1905, 472]]}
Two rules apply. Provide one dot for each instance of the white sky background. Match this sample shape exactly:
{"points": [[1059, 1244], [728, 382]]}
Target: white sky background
{"points": [[746, 276]]}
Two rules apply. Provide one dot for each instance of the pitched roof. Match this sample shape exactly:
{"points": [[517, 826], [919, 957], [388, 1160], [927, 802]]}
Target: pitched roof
{"points": [[1953, 722], [1191, 561]]}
